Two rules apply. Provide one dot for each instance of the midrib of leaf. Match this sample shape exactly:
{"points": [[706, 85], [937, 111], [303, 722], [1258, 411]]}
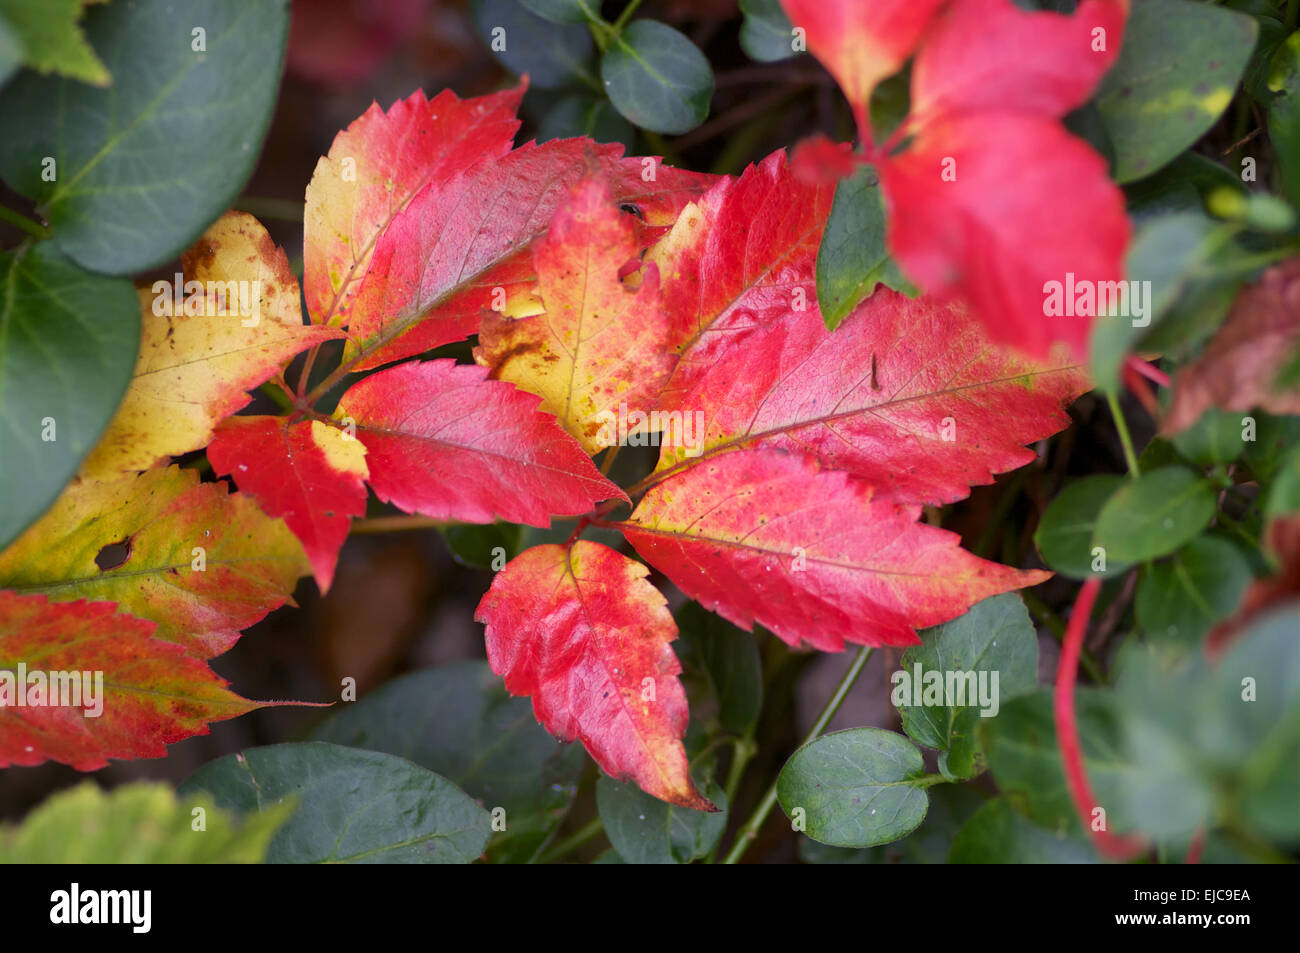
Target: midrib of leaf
{"points": [[112, 142], [663, 81], [112, 575]]}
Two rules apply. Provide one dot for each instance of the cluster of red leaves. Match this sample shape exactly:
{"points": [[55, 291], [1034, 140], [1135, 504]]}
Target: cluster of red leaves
{"points": [[989, 197], [602, 285]]}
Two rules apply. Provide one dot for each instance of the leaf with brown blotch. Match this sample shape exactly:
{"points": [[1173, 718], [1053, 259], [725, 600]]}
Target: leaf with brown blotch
{"points": [[599, 351], [581, 631], [198, 362], [197, 561], [764, 535], [1240, 366], [127, 693]]}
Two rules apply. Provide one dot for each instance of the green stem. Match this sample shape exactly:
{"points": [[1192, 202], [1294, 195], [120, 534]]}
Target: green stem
{"points": [[573, 841], [625, 16], [1121, 425], [746, 835], [276, 392], [35, 229]]}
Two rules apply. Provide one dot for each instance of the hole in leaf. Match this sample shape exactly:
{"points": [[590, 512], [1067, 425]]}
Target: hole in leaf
{"points": [[113, 555]]}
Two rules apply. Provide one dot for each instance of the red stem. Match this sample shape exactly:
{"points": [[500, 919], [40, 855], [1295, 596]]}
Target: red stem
{"points": [[1149, 371], [1067, 730]]}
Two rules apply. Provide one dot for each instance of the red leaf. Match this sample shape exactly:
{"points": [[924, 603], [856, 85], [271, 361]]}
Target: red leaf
{"points": [[819, 161], [997, 238], [861, 42], [581, 630], [149, 693], [375, 167], [306, 472], [765, 536], [435, 268], [741, 257], [990, 54], [908, 395], [444, 441]]}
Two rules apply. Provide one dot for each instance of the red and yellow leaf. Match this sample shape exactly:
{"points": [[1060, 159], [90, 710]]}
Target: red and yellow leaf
{"points": [[444, 441], [375, 167], [765, 536], [200, 563], [906, 394], [581, 631], [196, 363], [309, 473], [599, 349], [148, 693], [440, 263]]}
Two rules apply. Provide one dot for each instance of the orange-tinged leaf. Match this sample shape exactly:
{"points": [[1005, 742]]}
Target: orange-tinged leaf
{"points": [[600, 350], [147, 693], [201, 563], [308, 472], [444, 441], [764, 535], [861, 41], [375, 166], [438, 266], [581, 631], [197, 364], [908, 394], [1241, 364]]}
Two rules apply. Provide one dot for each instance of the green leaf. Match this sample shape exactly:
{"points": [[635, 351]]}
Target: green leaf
{"points": [[489, 546], [458, 721], [996, 834], [1284, 113], [950, 806], [584, 116], [853, 258], [1025, 760], [657, 78], [1190, 171], [1176, 73], [68, 342], [765, 32], [143, 166], [1154, 515], [1284, 495], [354, 807], [1165, 254], [994, 642], [138, 823], [1181, 598], [565, 11], [1215, 438], [854, 788], [50, 39], [730, 657], [552, 54], [1064, 535], [646, 830], [11, 52]]}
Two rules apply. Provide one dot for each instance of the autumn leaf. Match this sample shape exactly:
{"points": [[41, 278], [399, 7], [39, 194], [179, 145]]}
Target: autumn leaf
{"points": [[309, 473], [198, 360], [764, 535], [463, 247], [1239, 368], [861, 43], [906, 394], [135, 693], [962, 227], [742, 257], [444, 441], [963, 64], [374, 168], [200, 563], [581, 631], [600, 349]]}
